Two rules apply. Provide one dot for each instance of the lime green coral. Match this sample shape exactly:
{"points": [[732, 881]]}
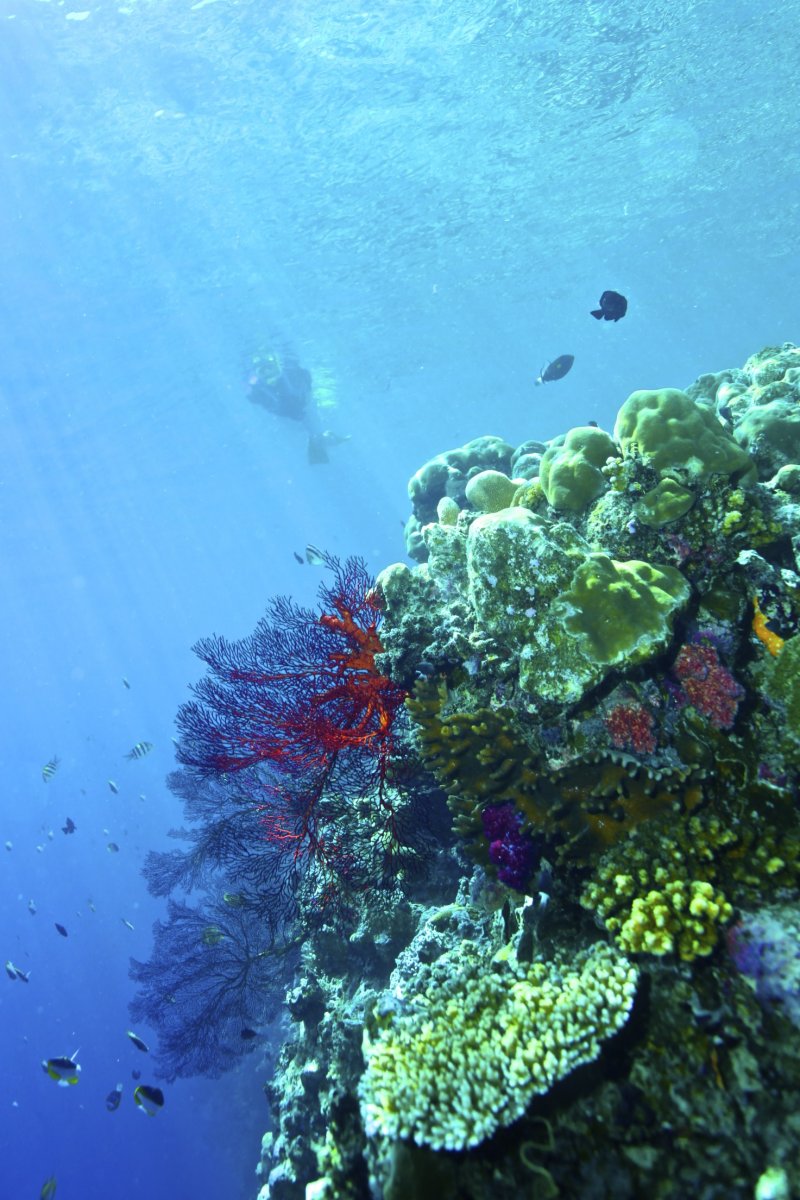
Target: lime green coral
{"points": [[466, 1056], [670, 430], [619, 611], [681, 916], [570, 470], [670, 889], [490, 491], [668, 501]]}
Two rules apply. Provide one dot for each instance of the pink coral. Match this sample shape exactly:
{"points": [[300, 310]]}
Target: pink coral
{"points": [[630, 727], [708, 685]]}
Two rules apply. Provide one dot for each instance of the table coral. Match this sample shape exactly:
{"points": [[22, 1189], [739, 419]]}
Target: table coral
{"points": [[465, 1057]]}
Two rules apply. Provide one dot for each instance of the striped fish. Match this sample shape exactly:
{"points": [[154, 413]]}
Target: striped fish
{"points": [[49, 769], [139, 750]]}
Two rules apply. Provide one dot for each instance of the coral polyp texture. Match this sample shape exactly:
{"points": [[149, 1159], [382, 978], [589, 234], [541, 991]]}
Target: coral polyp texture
{"points": [[469, 1051]]}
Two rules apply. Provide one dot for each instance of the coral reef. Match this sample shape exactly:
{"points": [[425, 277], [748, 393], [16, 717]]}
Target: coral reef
{"points": [[581, 978]]}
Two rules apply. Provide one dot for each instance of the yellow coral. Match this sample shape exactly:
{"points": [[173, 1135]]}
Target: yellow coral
{"points": [[469, 1053]]}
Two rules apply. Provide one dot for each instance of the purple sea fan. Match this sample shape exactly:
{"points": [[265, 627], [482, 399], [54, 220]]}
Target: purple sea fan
{"points": [[510, 849]]}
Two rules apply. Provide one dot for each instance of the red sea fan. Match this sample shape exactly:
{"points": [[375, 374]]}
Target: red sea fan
{"points": [[302, 694]]}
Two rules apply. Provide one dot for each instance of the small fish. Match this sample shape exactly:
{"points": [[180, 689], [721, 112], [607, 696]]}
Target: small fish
{"points": [[149, 1099], [113, 848], [213, 935], [314, 556], [232, 899], [32, 908], [137, 1041], [64, 1071], [139, 750], [126, 923], [136, 1074], [613, 307], [70, 826], [247, 1035], [61, 930], [48, 1189], [9, 845], [557, 369], [125, 681], [113, 1098], [298, 557], [15, 973], [90, 905], [49, 769], [113, 787]]}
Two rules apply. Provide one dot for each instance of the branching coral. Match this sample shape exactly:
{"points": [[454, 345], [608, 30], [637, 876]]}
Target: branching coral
{"points": [[469, 1054]]}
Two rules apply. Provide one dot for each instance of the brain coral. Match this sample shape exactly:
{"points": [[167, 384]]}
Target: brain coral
{"points": [[469, 1054]]}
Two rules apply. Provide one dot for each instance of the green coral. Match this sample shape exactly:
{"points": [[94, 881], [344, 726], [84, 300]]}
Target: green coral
{"points": [[670, 888], [465, 1056], [490, 491], [615, 612], [446, 475], [670, 430], [570, 471], [771, 432], [668, 501]]}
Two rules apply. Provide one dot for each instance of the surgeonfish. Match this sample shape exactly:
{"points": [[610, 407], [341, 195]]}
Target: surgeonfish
{"points": [[137, 1041], [139, 750], [557, 369], [49, 769], [48, 1189], [113, 1098], [149, 1099], [64, 1071], [61, 929]]}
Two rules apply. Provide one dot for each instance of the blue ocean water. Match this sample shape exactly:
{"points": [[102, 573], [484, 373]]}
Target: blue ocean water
{"points": [[420, 200]]}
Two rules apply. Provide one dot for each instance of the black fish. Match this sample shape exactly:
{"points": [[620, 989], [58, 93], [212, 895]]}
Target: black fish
{"points": [[613, 307], [136, 1074], [557, 369], [61, 930], [149, 1099], [247, 1035], [70, 826], [298, 558]]}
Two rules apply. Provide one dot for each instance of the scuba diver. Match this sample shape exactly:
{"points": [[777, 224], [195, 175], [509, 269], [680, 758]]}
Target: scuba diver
{"points": [[279, 384]]}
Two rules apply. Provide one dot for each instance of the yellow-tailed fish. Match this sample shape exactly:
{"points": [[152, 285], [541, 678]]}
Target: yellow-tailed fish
{"points": [[64, 1071]]}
